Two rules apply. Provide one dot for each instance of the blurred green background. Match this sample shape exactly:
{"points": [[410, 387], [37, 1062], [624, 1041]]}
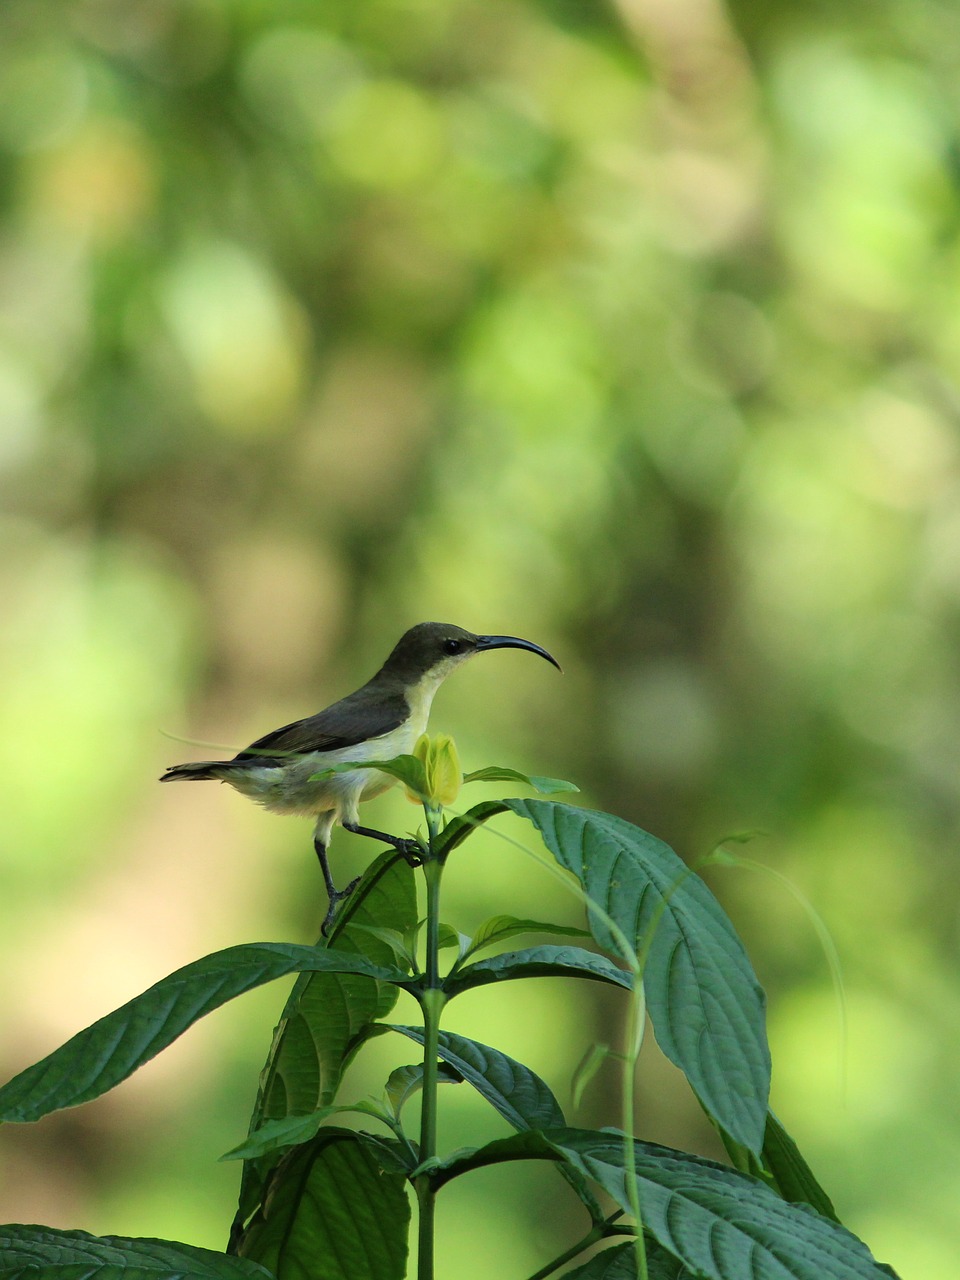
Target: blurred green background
{"points": [[629, 327]]}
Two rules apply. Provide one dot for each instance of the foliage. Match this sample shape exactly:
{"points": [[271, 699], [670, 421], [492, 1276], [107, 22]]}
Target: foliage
{"points": [[631, 324], [330, 1203]]}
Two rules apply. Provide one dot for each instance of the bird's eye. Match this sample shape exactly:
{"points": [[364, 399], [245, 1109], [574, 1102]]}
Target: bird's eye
{"points": [[452, 646]]}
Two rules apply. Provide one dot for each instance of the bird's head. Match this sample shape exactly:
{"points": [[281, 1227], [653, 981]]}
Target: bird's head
{"points": [[434, 649]]}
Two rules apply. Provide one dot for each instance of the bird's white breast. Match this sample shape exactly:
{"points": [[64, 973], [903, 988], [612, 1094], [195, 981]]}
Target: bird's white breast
{"points": [[293, 789]]}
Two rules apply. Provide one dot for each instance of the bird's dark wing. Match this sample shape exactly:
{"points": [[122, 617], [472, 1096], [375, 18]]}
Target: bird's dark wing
{"points": [[354, 719]]}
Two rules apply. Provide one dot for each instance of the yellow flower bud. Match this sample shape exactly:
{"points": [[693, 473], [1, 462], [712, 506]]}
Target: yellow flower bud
{"points": [[441, 767]]}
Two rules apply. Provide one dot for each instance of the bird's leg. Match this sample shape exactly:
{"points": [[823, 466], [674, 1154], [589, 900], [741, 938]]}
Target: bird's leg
{"points": [[334, 894], [412, 850]]}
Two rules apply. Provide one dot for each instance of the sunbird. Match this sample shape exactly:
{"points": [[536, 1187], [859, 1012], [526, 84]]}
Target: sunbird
{"points": [[380, 720]]}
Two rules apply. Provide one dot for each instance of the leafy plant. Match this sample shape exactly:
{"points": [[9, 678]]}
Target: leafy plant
{"points": [[329, 1202]]}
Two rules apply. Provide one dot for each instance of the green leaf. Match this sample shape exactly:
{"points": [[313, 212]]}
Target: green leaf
{"points": [[457, 830], [290, 1131], [42, 1253], [514, 1091], [276, 1135], [718, 1221], [619, 1263], [720, 1224], [705, 1003], [450, 937], [545, 786], [406, 1081], [537, 962], [793, 1176], [405, 768], [105, 1053], [499, 928], [394, 940], [781, 1165], [328, 1016], [517, 1093], [333, 1213]]}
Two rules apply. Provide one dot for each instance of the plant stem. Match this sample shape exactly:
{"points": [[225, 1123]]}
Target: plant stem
{"points": [[599, 1231], [432, 1000], [635, 1025]]}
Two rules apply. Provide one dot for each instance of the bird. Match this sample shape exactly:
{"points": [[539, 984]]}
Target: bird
{"points": [[380, 720]]}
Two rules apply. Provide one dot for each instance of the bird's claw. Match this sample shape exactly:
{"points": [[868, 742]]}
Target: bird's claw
{"points": [[411, 851], [336, 897]]}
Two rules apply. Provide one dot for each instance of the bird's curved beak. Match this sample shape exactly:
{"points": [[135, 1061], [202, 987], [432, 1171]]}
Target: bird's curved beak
{"points": [[514, 642]]}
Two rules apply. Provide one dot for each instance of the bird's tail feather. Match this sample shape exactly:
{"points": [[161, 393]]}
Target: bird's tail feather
{"points": [[197, 771]]}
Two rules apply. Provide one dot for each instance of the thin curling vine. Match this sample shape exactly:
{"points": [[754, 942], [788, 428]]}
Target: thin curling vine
{"points": [[322, 1201]]}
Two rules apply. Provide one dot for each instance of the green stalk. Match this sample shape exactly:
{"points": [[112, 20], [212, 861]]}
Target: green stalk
{"points": [[432, 1000], [599, 1231], [635, 1027]]}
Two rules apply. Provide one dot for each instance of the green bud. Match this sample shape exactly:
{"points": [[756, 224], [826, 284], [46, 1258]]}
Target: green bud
{"points": [[441, 767]]}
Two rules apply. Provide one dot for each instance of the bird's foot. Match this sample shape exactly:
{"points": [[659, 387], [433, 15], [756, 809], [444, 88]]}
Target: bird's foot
{"points": [[411, 851], [335, 898]]}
